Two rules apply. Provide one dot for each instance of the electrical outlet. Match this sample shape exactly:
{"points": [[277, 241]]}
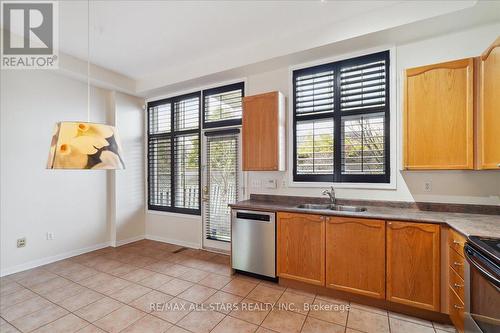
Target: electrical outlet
{"points": [[256, 183], [271, 183], [50, 236], [21, 242], [428, 186]]}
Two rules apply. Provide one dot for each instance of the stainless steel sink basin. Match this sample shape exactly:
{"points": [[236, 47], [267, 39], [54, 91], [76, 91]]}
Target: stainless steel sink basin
{"points": [[332, 207]]}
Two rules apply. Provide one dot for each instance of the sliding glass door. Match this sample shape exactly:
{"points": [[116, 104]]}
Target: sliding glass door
{"points": [[221, 180]]}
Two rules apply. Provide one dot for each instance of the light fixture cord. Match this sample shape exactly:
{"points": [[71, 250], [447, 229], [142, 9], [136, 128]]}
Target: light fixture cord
{"points": [[88, 61]]}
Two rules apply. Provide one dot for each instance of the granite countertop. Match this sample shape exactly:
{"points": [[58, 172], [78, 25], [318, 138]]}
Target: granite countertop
{"points": [[466, 224]]}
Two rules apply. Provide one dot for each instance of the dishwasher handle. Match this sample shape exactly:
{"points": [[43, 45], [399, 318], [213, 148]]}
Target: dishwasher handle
{"points": [[253, 217]]}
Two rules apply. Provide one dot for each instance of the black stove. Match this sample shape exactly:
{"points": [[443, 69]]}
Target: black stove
{"points": [[482, 285], [488, 246]]}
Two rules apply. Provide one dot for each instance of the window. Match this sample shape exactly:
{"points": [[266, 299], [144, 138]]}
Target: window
{"points": [[222, 169], [174, 154], [341, 121], [174, 144], [223, 106]]}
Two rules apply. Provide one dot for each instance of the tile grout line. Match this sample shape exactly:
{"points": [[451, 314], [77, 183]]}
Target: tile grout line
{"points": [[123, 251]]}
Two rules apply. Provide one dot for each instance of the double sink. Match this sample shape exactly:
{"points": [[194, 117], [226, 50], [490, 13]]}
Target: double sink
{"points": [[340, 208]]}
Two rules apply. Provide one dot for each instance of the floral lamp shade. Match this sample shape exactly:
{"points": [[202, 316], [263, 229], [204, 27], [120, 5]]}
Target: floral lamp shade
{"points": [[80, 145]]}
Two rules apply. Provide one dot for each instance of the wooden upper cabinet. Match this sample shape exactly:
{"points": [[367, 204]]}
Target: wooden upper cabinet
{"points": [[263, 133], [489, 108], [413, 264], [301, 247], [355, 256], [439, 116]]}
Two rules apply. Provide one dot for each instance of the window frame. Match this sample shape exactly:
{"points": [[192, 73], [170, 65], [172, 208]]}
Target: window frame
{"points": [[172, 135], [218, 90], [337, 115]]}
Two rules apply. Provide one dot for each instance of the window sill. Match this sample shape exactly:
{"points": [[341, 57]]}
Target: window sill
{"points": [[360, 186], [172, 214]]}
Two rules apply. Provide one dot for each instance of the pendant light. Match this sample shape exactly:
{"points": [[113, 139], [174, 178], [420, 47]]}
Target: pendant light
{"points": [[85, 145]]}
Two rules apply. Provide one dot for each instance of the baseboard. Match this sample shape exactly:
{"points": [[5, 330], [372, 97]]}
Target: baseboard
{"points": [[128, 240], [49, 260], [173, 241]]}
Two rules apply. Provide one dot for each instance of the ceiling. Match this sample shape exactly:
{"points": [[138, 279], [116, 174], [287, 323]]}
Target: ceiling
{"points": [[155, 44], [141, 38]]}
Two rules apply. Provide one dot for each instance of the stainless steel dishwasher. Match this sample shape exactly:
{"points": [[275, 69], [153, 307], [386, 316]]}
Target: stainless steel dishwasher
{"points": [[253, 242]]}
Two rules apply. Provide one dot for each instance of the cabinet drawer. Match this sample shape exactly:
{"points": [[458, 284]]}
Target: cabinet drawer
{"points": [[456, 242], [457, 262], [457, 283], [456, 309]]}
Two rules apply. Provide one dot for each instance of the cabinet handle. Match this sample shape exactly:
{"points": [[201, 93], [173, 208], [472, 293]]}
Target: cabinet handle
{"points": [[458, 285], [458, 264], [458, 306]]}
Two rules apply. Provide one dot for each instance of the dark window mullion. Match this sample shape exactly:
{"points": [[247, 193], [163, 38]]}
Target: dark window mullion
{"points": [[172, 155], [387, 127], [314, 116], [337, 125]]}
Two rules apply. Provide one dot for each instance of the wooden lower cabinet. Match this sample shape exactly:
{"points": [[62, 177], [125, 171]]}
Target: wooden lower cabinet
{"points": [[413, 264], [456, 309], [392, 260], [355, 256], [301, 247]]}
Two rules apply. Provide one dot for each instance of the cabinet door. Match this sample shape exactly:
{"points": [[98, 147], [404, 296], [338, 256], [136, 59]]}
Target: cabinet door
{"points": [[439, 116], [413, 264], [260, 132], [355, 256], [489, 110], [301, 247]]}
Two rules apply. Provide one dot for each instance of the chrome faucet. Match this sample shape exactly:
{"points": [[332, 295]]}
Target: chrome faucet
{"points": [[331, 194]]}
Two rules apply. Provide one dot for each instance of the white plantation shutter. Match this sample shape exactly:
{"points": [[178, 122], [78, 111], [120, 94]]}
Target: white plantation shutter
{"points": [[160, 174], [187, 171], [363, 86], [314, 93], [159, 157]]}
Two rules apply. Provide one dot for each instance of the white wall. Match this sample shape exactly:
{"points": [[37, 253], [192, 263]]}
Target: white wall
{"points": [[184, 230], [85, 209], [478, 187], [129, 183], [473, 187], [34, 200]]}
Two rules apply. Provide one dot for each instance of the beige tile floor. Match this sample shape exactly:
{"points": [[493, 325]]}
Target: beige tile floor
{"points": [[113, 289]]}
